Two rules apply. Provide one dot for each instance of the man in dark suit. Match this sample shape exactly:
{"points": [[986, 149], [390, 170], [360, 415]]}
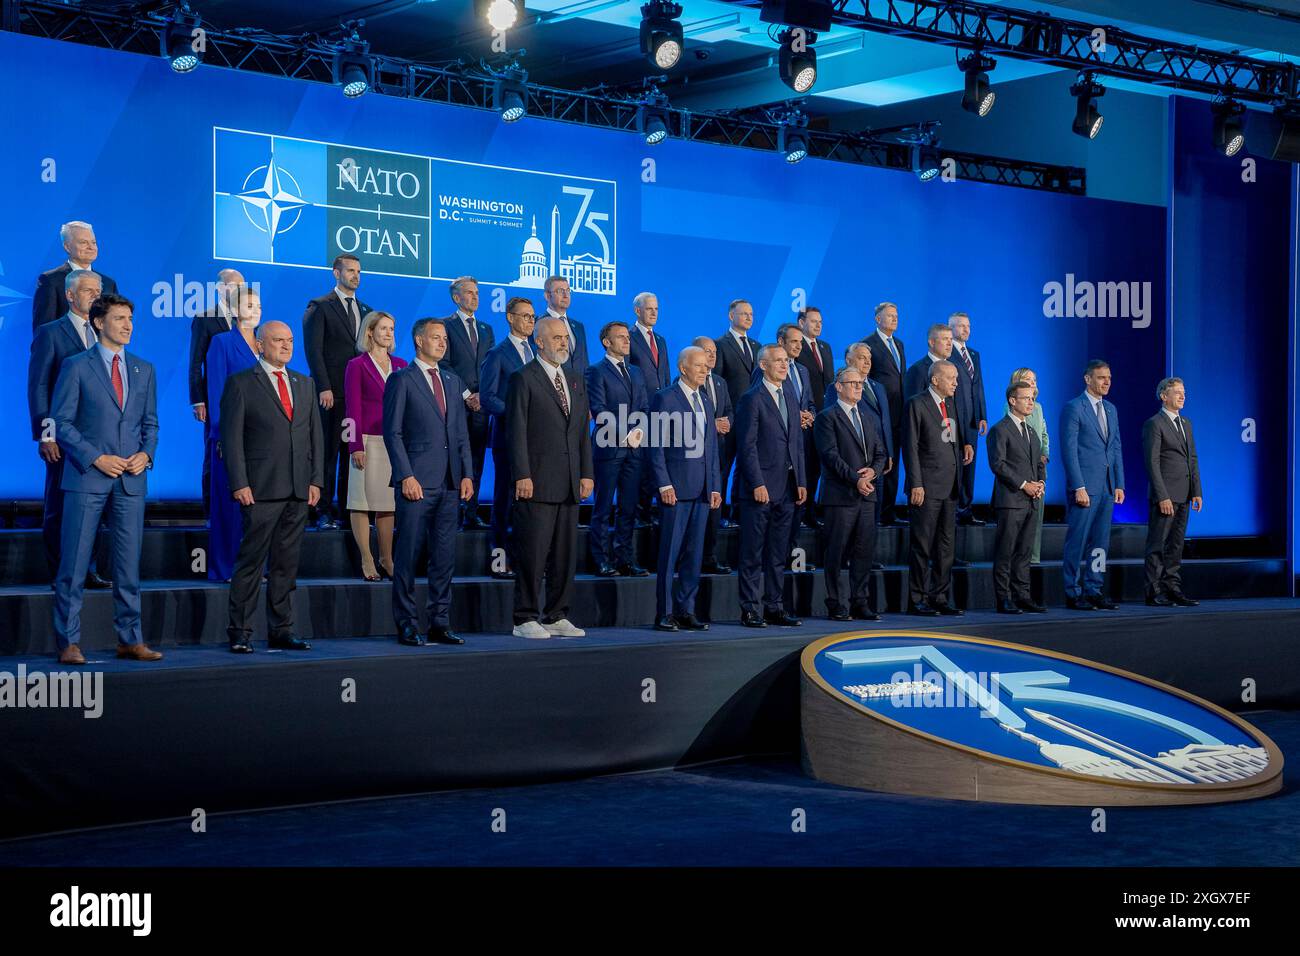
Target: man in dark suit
{"points": [[816, 359], [874, 404], [1174, 486], [917, 378], [205, 325], [54, 343], [888, 363], [616, 392], [934, 449], [971, 406], [275, 454], [724, 420], [852, 452], [685, 465], [507, 357], [769, 484], [331, 326], [427, 439], [1019, 477], [547, 417], [1094, 484], [468, 342], [737, 359], [557, 294], [78, 240], [105, 415]]}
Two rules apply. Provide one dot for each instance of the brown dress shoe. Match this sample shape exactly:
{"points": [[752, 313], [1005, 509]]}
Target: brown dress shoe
{"points": [[138, 652], [71, 655]]}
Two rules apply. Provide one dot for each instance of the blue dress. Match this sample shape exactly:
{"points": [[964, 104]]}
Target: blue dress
{"points": [[227, 355]]}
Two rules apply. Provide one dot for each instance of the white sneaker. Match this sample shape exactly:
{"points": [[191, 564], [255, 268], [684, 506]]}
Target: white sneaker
{"points": [[564, 628], [532, 630]]}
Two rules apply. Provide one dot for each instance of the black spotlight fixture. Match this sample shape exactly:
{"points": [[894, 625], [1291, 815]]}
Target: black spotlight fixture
{"points": [[510, 94], [652, 118], [661, 33], [1229, 125], [500, 14], [792, 137], [181, 46], [978, 97], [798, 60], [1086, 90], [926, 162], [354, 70]]}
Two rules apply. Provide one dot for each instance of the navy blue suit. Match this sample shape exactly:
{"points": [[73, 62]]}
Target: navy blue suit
{"points": [[89, 422], [806, 401], [656, 376], [1096, 465], [618, 469], [432, 447], [691, 467], [971, 409], [721, 397], [53, 344], [466, 362], [769, 453], [501, 362]]}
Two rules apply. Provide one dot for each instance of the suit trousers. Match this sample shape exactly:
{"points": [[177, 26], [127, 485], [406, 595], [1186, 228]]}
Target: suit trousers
{"points": [[932, 533], [427, 526], [546, 545], [610, 537], [1164, 551], [503, 497], [478, 442], [334, 494], [1087, 533], [271, 529], [1012, 548], [82, 513], [681, 550], [966, 484], [764, 548], [850, 528]]}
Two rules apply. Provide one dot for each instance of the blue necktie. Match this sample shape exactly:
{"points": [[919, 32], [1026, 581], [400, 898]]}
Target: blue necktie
{"points": [[780, 402], [857, 427], [894, 352], [528, 353]]}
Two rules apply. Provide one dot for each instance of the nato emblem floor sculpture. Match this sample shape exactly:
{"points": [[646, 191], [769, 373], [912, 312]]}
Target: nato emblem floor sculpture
{"points": [[969, 718]]}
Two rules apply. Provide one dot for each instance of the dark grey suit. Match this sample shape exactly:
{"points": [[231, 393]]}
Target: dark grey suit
{"points": [[1172, 473], [1015, 457]]}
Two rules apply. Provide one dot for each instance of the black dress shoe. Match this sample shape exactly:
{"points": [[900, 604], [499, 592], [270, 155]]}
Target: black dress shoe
{"points": [[632, 571], [726, 523], [781, 618], [877, 566], [752, 619], [947, 610], [1182, 600], [969, 519], [1102, 603], [1079, 604], [474, 522], [607, 571], [1159, 600], [411, 637], [814, 523], [1030, 607], [326, 523], [1008, 607], [898, 521], [666, 623], [840, 614], [689, 622], [922, 610], [443, 635], [960, 563], [715, 567], [95, 582], [503, 575], [865, 614], [241, 647], [289, 644]]}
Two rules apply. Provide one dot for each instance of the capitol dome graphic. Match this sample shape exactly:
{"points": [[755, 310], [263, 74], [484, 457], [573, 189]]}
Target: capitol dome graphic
{"points": [[532, 264]]}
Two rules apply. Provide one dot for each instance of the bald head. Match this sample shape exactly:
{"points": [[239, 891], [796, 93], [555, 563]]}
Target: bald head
{"points": [[552, 340], [693, 363], [277, 343]]}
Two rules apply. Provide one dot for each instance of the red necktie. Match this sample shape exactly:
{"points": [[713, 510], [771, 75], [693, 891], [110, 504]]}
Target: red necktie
{"points": [[117, 382], [437, 391], [943, 410], [817, 357], [654, 349], [284, 395]]}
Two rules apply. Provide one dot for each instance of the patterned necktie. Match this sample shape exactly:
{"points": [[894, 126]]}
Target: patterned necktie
{"points": [[1101, 418], [353, 317], [559, 390], [437, 391], [284, 395], [970, 366], [89, 335], [117, 381], [527, 352]]}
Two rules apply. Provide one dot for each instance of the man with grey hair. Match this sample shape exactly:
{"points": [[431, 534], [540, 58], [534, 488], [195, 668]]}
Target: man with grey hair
{"points": [[78, 241], [469, 339], [205, 325], [1174, 486], [888, 365], [649, 348]]}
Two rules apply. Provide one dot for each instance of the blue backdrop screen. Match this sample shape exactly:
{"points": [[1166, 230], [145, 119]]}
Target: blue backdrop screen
{"points": [[183, 175]]}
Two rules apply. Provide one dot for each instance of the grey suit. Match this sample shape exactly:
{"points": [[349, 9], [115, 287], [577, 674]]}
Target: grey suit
{"points": [[1015, 457], [1173, 473]]}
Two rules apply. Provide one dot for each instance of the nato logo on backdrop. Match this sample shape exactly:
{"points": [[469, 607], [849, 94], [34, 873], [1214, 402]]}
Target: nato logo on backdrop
{"points": [[279, 200]]}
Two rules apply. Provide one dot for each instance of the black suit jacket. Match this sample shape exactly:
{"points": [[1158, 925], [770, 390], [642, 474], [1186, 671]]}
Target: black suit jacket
{"points": [[331, 343], [842, 455], [545, 445], [1013, 462], [733, 366], [819, 377], [889, 375], [463, 360], [932, 459], [49, 302], [1172, 469], [202, 329], [264, 450]]}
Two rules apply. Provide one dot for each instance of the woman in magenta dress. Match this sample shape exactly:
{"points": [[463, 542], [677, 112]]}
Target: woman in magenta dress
{"points": [[229, 352]]}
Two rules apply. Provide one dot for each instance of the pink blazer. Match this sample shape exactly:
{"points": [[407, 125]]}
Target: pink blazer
{"points": [[363, 396]]}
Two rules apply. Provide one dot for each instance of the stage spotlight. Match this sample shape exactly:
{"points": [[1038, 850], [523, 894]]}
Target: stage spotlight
{"points": [[792, 140], [510, 94], [798, 60], [925, 161], [178, 41], [353, 69], [1229, 128], [500, 14], [652, 120], [977, 98], [1087, 121], [661, 33]]}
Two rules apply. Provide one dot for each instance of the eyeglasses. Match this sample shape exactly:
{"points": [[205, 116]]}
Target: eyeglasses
{"points": [[852, 383], [523, 315]]}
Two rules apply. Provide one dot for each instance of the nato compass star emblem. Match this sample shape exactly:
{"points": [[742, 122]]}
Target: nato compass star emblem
{"points": [[272, 199], [8, 297]]}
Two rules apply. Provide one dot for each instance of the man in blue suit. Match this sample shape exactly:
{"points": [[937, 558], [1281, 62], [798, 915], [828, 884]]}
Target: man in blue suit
{"points": [[616, 392], [507, 357], [684, 462], [557, 294], [649, 348], [106, 422], [971, 407], [715, 386], [468, 342], [770, 482], [428, 443], [55, 342], [1094, 484]]}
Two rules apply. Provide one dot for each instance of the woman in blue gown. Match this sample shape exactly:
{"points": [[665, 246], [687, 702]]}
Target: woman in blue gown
{"points": [[229, 353]]}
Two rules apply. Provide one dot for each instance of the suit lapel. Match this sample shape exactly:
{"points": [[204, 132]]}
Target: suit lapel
{"points": [[100, 372], [70, 331], [341, 314], [545, 376], [264, 380]]}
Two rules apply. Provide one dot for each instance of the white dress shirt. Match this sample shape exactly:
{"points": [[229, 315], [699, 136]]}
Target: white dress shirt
{"points": [[274, 374], [550, 371]]}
